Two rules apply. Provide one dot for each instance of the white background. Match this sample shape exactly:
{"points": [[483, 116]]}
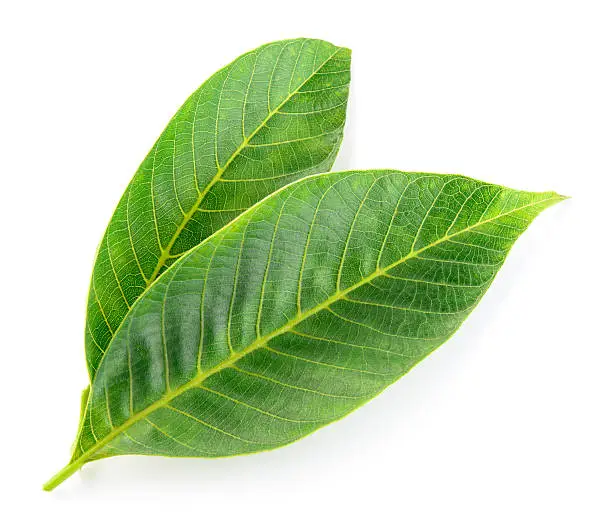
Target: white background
{"points": [[507, 427]]}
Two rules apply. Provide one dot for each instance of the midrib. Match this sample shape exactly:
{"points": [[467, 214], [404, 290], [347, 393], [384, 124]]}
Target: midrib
{"points": [[261, 342], [165, 255]]}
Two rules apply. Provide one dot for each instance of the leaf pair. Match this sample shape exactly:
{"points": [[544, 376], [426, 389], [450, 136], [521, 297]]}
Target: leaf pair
{"points": [[213, 337]]}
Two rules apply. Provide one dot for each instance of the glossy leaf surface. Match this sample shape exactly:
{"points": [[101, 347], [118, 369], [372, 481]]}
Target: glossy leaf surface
{"points": [[274, 115], [299, 311]]}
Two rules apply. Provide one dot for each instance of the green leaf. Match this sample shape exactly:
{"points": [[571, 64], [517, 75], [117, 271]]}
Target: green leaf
{"points": [[298, 312], [272, 116]]}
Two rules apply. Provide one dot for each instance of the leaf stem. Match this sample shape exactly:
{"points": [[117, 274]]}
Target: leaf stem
{"points": [[63, 474]]}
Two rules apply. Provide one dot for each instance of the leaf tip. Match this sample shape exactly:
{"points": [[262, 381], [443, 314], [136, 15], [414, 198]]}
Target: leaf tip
{"points": [[559, 197]]}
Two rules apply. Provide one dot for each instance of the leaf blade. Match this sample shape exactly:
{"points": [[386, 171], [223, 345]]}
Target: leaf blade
{"points": [[236, 139], [387, 272]]}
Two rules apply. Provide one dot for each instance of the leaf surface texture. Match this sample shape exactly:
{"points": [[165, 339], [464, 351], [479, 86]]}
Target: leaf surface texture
{"points": [[299, 311]]}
